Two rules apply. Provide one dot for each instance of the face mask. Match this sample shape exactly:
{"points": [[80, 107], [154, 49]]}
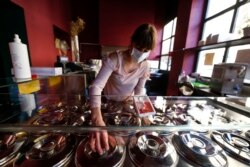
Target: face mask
{"points": [[139, 56]]}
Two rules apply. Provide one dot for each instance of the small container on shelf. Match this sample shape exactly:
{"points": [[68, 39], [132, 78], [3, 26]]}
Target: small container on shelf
{"points": [[143, 106]]}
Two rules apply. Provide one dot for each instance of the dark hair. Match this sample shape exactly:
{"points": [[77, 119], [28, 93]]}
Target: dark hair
{"points": [[145, 36]]}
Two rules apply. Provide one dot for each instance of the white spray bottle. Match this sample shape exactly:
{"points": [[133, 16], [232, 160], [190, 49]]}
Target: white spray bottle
{"points": [[20, 58]]}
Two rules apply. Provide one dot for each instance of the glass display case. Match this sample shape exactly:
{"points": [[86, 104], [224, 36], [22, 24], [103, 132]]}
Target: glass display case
{"points": [[50, 126]]}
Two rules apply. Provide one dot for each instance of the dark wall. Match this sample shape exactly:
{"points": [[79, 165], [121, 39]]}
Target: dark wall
{"points": [[13, 22], [111, 22], [166, 10], [118, 19], [88, 10]]}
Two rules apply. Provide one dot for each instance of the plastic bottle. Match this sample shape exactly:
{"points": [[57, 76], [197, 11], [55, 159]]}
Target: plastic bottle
{"points": [[181, 77], [20, 58]]}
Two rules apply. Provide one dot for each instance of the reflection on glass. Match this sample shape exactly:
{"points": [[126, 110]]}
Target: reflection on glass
{"points": [[27, 104], [166, 46], [206, 68], [218, 25], [215, 6]]}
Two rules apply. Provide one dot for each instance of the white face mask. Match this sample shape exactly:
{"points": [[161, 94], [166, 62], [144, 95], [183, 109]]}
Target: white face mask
{"points": [[139, 56]]}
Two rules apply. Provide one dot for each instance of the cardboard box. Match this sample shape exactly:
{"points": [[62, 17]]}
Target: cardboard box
{"points": [[46, 71]]}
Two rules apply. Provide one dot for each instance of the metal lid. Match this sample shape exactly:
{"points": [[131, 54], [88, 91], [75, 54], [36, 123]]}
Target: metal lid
{"points": [[48, 150], [57, 117], [85, 157], [123, 119], [10, 144], [112, 107], [199, 150], [235, 145], [149, 149], [121, 114]]}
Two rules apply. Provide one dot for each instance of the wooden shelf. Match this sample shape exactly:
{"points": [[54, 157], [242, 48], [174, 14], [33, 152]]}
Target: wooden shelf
{"points": [[241, 41]]}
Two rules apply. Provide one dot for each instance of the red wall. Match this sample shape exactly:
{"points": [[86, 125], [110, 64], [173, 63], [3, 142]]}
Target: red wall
{"points": [[118, 20], [40, 16], [113, 23], [188, 29]]}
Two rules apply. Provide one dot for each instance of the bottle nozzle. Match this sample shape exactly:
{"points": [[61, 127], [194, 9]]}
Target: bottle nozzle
{"points": [[16, 38]]}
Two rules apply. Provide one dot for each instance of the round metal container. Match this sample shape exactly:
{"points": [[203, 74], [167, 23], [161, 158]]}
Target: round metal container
{"points": [[237, 146], [48, 150], [121, 114], [148, 149], [198, 150], [114, 157], [160, 119], [10, 144], [57, 117], [83, 119]]}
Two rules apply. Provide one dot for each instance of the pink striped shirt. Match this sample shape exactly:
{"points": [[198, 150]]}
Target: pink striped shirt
{"points": [[112, 79]]}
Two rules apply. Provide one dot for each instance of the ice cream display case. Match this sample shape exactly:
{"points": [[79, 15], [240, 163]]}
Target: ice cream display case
{"points": [[42, 129]]}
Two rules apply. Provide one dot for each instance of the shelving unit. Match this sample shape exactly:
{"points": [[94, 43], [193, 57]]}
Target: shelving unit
{"points": [[241, 41]]}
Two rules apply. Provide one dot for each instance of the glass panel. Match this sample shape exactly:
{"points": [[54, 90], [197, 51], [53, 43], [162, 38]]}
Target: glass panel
{"points": [[218, 25], [153, 63], [240, 54], [215, 6], [167, 30], [233, 51], [174, 26], [207, 59], [165, 46], [242, 18], [164, 62]]}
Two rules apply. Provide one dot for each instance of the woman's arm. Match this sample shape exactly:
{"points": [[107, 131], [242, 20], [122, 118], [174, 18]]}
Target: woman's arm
{"points": [[96, 88], [99, 139], [142, 81]]}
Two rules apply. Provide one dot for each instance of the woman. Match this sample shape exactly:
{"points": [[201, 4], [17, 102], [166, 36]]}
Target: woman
{"points": [[123, 73]]}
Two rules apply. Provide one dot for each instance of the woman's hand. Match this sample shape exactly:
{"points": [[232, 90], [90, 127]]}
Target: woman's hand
{"points": [[98, 139]]}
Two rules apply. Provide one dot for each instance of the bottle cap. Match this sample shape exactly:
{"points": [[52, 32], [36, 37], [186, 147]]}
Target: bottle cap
{"points": [[16, 38]]}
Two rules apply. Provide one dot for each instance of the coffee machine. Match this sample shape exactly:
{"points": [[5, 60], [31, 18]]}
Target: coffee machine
{"points": [[227, 78], [61, 61]]}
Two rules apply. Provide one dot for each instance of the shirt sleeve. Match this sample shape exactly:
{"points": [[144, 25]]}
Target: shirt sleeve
{"points": [[142, 81], [100, 81]]}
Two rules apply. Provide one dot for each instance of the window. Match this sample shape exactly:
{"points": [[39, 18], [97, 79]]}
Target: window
{"points": [[167, 44], [226, 18], [207, 59], [215, 6], [218, 25], [154, 63]]}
